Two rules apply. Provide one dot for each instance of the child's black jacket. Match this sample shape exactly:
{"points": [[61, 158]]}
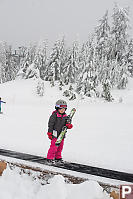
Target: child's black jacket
{"points": [[56, 122]]}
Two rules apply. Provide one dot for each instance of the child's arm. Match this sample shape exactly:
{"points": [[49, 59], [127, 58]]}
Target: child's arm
{"points": [[68, 123], [3, 102], [51, 122]]}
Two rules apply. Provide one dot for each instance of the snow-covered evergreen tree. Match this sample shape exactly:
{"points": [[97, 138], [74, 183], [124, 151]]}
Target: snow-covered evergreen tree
{"points": [[120, 42], [71, 67], [40, 87], [5, 60], [40, 59], [70, 93], [14, 66], [26, 61], [103, 48], [87, 79], [106, 94], [119, 31], [9, 66], [130, 57], [102, 33], [56, 61], [84, 57]]}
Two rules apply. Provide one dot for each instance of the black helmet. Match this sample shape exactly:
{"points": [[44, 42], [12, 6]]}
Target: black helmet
{"points": [[61, 104]]}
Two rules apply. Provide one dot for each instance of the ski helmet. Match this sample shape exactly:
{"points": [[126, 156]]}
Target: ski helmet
{"points": [[61, 104]]}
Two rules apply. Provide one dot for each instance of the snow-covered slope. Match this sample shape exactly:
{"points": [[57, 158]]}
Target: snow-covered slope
{"points": [[102, 133]]}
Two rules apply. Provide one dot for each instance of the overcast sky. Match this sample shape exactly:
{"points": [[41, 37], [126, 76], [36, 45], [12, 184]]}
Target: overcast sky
{"points": [[24, 21]]}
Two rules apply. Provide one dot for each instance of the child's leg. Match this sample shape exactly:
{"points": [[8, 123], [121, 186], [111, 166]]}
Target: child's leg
{"points": [[59, 150], [52, 150]]}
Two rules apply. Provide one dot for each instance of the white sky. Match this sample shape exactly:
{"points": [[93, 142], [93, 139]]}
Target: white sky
{"points": [[24, 21]]}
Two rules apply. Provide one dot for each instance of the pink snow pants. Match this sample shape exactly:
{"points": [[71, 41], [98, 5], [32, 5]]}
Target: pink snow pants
{"points": [[55, 151]]}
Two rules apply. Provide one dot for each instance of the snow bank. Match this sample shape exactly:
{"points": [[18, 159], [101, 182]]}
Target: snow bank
{"points": [[14, 186]]}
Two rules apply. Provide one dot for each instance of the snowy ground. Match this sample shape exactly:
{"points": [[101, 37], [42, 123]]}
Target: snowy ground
{"points": [[102, 136]]}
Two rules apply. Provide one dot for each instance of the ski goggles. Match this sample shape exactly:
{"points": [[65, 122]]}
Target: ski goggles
{"points": [[61, 106]]}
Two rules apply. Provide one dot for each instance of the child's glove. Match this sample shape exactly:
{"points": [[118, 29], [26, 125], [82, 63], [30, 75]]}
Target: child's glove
{"points": [[69, 125], [50, 135]]}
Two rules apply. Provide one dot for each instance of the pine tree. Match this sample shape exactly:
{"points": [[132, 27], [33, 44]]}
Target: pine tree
{"points": [[84, 57], [120, 43], [40, 87], [10, 63], [130, 57], [70, 69], [40, 60], [102, 34], [106, 94], [119, 32], [56, 61], [87, 80], [103, 49], [5, 54], [14, 66], [27, 56]]}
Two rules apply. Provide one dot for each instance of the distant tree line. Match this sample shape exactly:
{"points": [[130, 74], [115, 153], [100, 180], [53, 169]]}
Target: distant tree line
{"points": [[104, 60]]}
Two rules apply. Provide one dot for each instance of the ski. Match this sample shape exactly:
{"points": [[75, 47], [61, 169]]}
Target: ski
{"points": [[64, 129]]}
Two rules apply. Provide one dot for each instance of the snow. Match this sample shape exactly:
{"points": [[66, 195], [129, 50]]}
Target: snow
{"points": [[14, 186], [102, 132], [101, 136]]}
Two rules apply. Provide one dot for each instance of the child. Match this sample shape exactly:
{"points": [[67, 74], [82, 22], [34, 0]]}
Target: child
{"points": [[57, 121], [0, 104]]}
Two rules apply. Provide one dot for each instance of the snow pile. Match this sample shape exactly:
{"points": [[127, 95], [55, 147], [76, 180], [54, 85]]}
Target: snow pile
{"points": [[14, 186]]}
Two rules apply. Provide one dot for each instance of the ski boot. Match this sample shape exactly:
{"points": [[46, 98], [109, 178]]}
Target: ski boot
{"points": [[50, 161], [59, 161]]}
